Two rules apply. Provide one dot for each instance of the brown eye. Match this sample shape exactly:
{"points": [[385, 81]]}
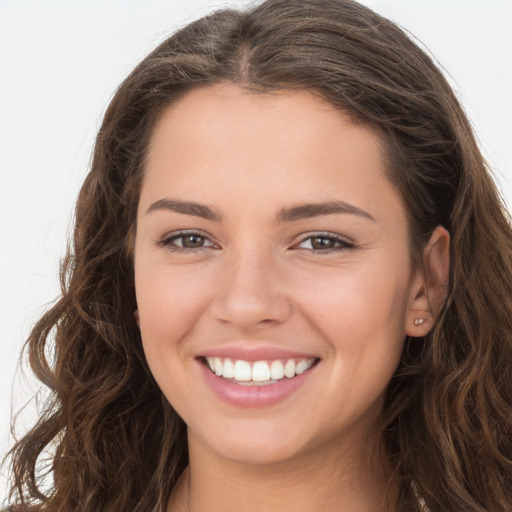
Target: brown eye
{"points": [[182, 242], [192, 241], [324, 243]]}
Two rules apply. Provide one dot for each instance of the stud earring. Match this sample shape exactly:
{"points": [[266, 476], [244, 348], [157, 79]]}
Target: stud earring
{"points": [[419, 321]]}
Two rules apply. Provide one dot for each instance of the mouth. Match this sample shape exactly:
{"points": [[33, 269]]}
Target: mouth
{"points": [[258, 373]]}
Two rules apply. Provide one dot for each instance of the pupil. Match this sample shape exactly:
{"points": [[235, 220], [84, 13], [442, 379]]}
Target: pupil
{"points": [[322, 243], [192, 241]]}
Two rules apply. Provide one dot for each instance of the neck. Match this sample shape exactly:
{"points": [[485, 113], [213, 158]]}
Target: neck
{"points": [[328, 482]]}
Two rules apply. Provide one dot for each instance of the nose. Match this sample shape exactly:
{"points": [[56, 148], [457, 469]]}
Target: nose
{"points": [[251, 296]]}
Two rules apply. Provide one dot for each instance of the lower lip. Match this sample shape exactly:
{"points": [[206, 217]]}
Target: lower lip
{"points": [[254, 396]]}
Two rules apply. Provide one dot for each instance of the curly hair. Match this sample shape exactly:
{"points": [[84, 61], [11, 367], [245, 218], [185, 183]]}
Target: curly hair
{"points": [[447, 427]]}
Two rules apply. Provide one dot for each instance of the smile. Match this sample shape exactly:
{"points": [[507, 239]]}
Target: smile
{"points": [[258, 373]]}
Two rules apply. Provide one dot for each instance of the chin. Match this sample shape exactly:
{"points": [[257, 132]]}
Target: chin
{"points": [[254, 445]]}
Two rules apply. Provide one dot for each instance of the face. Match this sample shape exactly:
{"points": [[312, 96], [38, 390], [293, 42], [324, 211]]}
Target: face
{"points": [[271, 247]]}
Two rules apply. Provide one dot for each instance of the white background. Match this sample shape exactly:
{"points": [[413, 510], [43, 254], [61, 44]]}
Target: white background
{"points": [[60, 62]]}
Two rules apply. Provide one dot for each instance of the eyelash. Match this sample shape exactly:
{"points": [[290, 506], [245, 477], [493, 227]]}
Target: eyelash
{"points": [[343, 244], [168, 242]]}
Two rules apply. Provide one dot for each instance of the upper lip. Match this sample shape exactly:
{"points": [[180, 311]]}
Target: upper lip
{"points": [[255, 353]]}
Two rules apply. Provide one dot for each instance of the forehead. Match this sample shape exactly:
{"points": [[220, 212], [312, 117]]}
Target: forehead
{"points": [[300, 113], [225, 142]]}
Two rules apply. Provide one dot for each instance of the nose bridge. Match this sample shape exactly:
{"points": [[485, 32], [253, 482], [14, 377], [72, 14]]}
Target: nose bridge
{"points": [[252, 292]]}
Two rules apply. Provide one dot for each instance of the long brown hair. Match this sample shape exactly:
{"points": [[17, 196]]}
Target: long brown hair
{"points": [[118, 445]]}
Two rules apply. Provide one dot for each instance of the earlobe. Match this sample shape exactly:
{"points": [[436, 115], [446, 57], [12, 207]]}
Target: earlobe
{"points": [[430, 288]]}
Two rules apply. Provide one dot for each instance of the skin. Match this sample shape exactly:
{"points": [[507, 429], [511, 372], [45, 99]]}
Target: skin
{"points": [[254, 281]]}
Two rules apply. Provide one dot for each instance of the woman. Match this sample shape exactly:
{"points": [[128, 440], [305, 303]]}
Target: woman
{"points": [[289, 286]]}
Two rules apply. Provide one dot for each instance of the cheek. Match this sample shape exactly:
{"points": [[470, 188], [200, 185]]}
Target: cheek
{"points": [[363, 324], [170, 304], [361, 315], [353, 302]]}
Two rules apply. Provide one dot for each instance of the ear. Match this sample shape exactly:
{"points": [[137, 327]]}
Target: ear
{"points": [[137, 317], [430, 284]]}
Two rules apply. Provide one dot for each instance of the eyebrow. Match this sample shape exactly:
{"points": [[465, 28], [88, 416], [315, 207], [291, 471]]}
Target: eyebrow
{"points": [[187, 208], [287, 214], [305, 211]]}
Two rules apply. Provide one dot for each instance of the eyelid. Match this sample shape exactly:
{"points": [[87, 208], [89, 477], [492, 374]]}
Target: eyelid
{"points": [[344, 242], [166, 240]]}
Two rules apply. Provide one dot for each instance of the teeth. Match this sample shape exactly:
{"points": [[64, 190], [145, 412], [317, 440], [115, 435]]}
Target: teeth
{"points": [[276, 370], [289, 368], [242, 371], [229, 369], [218, 366], [260, 372], [301, 367]]}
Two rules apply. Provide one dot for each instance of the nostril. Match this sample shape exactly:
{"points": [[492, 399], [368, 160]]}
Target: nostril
{"points": [[250, 307]]}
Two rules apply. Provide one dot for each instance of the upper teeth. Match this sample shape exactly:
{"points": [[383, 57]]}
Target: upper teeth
{"points": [[258, 371]]}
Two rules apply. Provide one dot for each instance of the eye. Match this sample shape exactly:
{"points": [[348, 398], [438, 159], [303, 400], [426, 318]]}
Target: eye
{"points": [[324, 243], [186, 241]]}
